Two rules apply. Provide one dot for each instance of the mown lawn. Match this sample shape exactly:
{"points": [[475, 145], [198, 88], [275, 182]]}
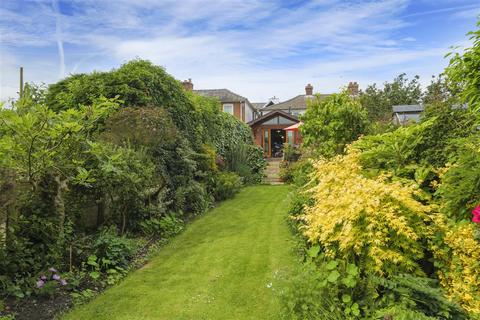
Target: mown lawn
{"points": [[221, 267]]}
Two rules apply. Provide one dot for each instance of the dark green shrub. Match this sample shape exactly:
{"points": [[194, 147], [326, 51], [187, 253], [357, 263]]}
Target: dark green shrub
{"points": [[332, 123], [226, 185], [460, 185], [192, 198], [247, 161], [412, 295], [165, 227], [326, 289], [449, 122], [113, 250], [138, 83], [290, 153]]}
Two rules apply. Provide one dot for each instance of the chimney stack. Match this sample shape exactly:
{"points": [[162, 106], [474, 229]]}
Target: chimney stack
{"points": [[187, 85], [309, 90], [353, 88]]}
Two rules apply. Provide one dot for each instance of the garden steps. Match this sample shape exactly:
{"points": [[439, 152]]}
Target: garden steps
{"points": [[273, 172]]}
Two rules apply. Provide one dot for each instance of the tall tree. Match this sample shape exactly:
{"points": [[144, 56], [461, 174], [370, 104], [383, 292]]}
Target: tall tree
{"points": [[379, 102], [464, 71]]}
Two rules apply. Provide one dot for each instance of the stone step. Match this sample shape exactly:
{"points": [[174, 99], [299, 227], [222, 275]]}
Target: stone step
{"points": [[273, 172]]}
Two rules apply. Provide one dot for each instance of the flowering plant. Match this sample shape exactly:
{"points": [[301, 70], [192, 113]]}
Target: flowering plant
{"points": [[47, 283], [476, 214]]}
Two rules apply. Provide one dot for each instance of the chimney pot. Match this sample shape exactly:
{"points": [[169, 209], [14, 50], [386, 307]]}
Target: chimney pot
{"points": [[187, 84], [353, 88], [309, 90]]}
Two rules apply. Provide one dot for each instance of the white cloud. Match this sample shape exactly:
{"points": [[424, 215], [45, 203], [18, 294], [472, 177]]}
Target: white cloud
{"points": [[260, 48]]}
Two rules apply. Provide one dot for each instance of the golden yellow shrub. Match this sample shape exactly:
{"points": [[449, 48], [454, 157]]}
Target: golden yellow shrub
{"points": [[457, 256], [374, 221]]}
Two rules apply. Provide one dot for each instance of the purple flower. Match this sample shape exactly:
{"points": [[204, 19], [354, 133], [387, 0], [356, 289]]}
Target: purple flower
{"points": [[43, 277], [53, 270], [40, 284], [63, 282], [56, 277]]}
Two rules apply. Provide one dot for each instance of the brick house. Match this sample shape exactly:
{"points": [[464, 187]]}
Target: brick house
{"points": [[231, 102], [278, 123], [273, 123]]}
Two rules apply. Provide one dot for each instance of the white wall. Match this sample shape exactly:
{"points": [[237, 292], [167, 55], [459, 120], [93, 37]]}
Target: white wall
{"points": [[248, 113]]}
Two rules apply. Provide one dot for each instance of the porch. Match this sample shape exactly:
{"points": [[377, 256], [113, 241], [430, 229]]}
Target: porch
{"points": [[271, 132]]}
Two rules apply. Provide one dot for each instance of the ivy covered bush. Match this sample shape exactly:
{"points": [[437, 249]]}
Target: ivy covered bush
{"points": [[98, 166]]}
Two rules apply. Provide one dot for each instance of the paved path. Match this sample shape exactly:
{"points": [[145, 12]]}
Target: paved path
{"points": [[226, 265], [273, 172]]}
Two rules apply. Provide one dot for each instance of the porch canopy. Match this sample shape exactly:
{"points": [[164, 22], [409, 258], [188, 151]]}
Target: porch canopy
{"points": [[293, 127]]}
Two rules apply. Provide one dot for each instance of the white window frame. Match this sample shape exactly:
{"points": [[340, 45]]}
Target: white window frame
{"points": [[230, 105]]}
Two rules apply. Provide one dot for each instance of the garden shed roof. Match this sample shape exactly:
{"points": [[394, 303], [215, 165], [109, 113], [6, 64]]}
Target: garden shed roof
{"points": [[408, 108]]}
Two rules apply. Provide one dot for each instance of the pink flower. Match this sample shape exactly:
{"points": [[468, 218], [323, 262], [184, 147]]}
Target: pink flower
{"points": [[476, 214], [40, 284], [476, 219]]}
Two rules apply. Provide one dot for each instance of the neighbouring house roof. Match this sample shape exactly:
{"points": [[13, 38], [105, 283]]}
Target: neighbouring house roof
{"points": [[298, 102], [408, 108], [273, 114], [224, 95], [258, 105], [261, 105], [404, 114]]}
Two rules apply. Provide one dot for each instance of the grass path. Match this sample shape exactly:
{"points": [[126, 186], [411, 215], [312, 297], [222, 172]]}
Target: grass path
{"points": [[219, 268]]}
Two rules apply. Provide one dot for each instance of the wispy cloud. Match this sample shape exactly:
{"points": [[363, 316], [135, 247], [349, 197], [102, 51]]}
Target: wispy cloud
{"points": [[258, 47], [59, 36]]}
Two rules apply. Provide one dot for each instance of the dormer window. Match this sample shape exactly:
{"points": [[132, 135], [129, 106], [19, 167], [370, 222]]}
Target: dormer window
{"points": [[228, 108]]}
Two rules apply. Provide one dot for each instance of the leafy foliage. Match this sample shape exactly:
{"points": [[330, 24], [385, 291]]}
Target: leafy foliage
{"points": [[460, 184], [455, 250], [126, 151], [401, 202], [370, 220], [138, 83], [379, 102], [464, 72], [332, 123], [226, 185], [247, 161]]}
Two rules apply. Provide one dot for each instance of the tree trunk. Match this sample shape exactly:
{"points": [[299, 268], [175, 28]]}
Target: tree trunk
{"points": [[7, 207], [61, 186]]}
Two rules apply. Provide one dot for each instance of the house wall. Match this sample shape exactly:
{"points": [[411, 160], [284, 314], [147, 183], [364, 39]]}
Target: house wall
{"points": [[248, 114], [236, 109]]}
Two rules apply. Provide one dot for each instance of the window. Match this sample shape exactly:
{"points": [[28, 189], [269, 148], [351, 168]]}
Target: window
{"points": [[290, 137], [266, 141], [228, 108]]}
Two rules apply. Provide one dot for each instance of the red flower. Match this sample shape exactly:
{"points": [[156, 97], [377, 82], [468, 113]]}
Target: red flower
{"points": [[476, 214]]}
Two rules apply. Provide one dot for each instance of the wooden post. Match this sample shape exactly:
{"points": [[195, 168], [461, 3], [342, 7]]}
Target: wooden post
{"points": [[21, 82]]}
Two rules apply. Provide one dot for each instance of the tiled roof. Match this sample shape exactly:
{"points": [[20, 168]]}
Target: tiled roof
{"points": [[224, 95], [272, 115], [258, 105], [298, 102]]}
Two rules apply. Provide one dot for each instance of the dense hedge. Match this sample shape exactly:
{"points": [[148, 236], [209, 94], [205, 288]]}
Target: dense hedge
{"points": [[101, 156]]}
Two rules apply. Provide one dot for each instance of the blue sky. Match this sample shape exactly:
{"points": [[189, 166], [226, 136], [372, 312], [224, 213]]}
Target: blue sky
{"points": [[257, 48]]}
